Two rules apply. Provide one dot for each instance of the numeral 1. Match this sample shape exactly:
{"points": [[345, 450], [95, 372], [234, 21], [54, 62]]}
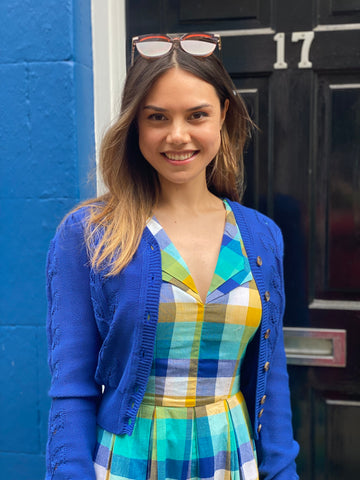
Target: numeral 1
{"points": [[279, 38]]}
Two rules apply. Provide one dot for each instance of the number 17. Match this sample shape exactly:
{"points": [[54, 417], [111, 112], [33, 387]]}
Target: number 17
{"points": [[305, 37]]}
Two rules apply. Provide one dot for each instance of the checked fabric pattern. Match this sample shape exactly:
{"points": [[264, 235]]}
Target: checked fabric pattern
{"points": [[193, 422]]}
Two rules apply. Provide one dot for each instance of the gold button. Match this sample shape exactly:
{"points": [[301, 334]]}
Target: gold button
{"points": [[267, 366], [267, 295], [267, 333], [261, 413], [263, 399], [259, 428], [259, 261]]}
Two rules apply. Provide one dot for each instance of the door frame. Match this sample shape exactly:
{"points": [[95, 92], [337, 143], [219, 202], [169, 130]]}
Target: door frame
{"points": [[109, 67]]}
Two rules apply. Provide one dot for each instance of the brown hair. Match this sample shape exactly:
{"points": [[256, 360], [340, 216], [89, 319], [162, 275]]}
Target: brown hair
{"points": [[133, 188]]}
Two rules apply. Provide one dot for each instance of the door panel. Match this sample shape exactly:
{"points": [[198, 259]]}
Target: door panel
{"points": [[337, 173], [331, 415], [297, 65], [338, 11], [187, 15], [335, 50], [201, 10]]}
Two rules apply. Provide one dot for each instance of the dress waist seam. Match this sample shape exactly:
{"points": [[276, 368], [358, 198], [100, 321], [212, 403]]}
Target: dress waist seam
{"points": [[186, 404]]}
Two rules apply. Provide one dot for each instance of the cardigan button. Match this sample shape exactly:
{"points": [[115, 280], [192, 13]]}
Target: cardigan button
{"points": [[263, 399], [267, 334], [267, 366], [260, 414], [259, 428], [267, 295], [259, 261]]}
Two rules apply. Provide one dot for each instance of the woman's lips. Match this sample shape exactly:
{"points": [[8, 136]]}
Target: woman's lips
{"points": [[179, 156]]}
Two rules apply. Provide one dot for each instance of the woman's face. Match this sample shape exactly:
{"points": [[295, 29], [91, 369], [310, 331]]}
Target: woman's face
{"points": [[179, 126]]}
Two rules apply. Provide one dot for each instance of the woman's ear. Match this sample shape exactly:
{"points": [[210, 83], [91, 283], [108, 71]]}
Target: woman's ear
{"points": [[224, 111]]}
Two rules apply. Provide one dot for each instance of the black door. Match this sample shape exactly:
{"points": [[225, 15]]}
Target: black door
{"points": [[297, 64]]}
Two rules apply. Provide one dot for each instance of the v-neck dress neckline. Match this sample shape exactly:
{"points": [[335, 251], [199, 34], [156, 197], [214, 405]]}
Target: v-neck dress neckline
{"points": [[232, 266]]}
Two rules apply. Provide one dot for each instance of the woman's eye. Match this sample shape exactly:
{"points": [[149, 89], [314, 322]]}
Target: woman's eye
{"points": [[157, 116], [198, 115]]}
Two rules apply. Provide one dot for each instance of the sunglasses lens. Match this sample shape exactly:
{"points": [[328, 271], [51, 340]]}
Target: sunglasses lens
{"points": [[200, 48], [153, 48]]}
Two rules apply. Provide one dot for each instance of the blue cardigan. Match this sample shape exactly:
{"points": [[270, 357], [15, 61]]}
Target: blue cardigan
{"points": [[101, 333]]}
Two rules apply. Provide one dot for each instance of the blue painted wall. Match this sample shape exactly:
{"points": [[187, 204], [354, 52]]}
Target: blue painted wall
{"points": [[46, 150]]}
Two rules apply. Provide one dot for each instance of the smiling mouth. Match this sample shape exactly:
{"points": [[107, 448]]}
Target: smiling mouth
{"points": [[179, 157]]}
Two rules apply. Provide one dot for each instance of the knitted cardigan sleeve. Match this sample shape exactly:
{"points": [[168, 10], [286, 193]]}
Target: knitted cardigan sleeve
{"points": [[73, 344]]}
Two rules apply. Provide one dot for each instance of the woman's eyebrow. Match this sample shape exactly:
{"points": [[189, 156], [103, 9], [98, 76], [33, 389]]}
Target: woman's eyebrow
{"points": [[199, 107], [160, 109]]}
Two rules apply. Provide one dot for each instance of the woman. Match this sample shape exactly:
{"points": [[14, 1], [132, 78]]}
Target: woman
{"points": [[166, 295]]}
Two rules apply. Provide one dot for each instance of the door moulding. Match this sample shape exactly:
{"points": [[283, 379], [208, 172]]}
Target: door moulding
{"points": [[349, 305], [109, 66]]}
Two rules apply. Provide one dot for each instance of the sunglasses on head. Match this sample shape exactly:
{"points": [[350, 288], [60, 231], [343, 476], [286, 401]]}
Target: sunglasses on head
{"points": [[157, 45]]}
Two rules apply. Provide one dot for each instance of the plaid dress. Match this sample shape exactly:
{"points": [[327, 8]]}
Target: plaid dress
{"points": [[193, 422]]}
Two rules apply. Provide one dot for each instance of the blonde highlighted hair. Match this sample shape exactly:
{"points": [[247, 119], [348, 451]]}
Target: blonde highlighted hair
{"points": [[117, 219]]}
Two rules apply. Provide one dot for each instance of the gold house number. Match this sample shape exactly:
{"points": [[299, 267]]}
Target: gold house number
{"points": [[305, 37]]}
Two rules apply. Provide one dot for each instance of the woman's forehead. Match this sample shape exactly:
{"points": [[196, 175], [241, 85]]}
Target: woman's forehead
{"points": [[177, 83]]}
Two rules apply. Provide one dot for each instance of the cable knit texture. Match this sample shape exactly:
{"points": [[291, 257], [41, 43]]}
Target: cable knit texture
{"points": [[101, 332]]}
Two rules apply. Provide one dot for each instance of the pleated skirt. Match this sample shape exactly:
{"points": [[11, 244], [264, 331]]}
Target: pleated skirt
{"points": [[206, 442]]}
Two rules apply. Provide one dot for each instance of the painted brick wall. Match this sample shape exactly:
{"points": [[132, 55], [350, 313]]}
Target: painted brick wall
{"points": [[46, 150]]}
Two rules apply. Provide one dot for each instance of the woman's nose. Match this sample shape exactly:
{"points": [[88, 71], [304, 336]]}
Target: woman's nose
{"points": [[178, 133]]}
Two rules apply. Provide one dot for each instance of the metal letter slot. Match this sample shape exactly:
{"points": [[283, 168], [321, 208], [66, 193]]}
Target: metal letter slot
{"points": [[315, 347]]}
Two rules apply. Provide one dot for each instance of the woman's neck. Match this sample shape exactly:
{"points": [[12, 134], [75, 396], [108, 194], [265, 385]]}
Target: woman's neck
{"points": [[187, 199]]}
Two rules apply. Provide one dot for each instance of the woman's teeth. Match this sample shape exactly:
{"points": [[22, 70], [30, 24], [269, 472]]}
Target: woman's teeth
{"points": [[179, 156]]}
